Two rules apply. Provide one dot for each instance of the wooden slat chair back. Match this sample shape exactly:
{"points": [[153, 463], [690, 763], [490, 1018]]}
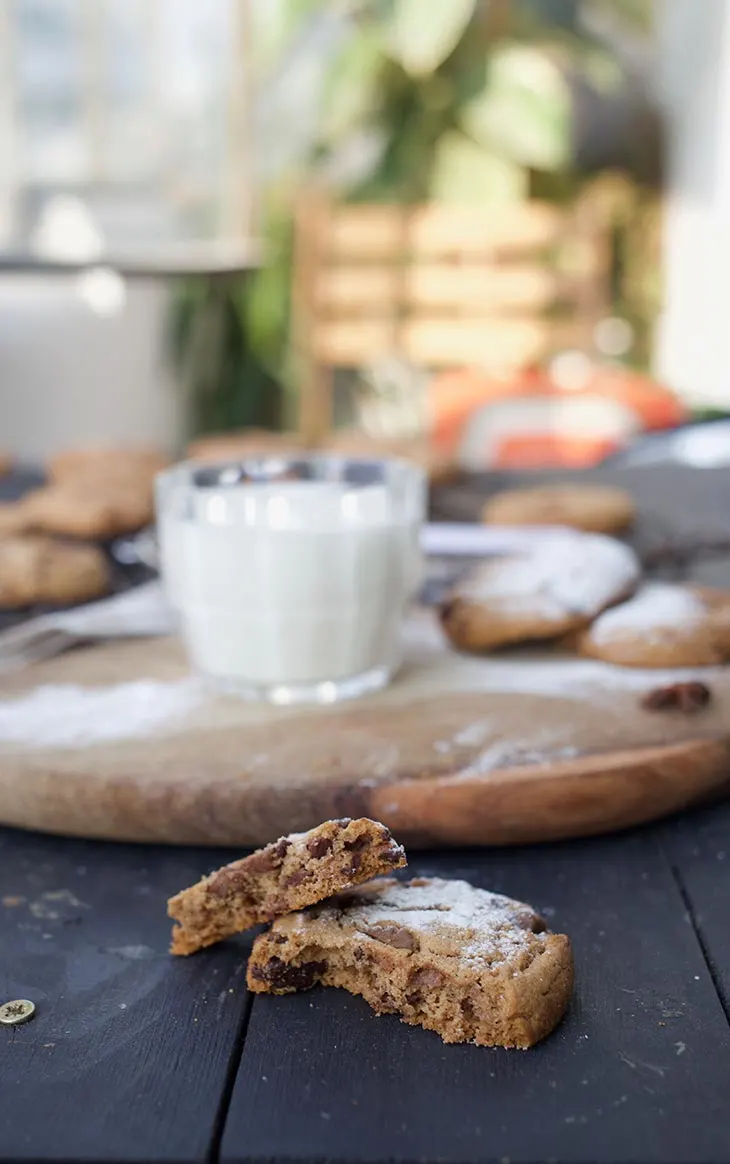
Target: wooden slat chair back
{"points": [[441, 286]]}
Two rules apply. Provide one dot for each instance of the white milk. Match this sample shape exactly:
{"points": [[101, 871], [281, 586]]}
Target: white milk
{"points": [[290, 583]]}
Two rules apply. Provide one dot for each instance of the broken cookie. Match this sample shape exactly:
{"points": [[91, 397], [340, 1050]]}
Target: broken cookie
{"points": [[473, 966], [287, 875]]}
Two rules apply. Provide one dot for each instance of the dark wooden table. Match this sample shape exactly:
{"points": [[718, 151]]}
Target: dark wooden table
{"points": [[135, 1056]]}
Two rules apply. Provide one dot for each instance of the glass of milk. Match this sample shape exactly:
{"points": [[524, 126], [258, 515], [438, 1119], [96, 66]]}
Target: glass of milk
{"points": [[290, 575]]}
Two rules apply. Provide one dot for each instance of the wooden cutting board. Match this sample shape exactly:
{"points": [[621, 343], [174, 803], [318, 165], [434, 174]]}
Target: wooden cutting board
{"points": [[119, 741]]}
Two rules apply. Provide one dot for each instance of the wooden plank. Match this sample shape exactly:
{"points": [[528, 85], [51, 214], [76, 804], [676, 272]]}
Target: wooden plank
{"points": [[441, 342], [637, 1073], [481, 288], [314, 381], [460, 342], [699, 848], [349, 343], [128, 1056], [375, 231]]}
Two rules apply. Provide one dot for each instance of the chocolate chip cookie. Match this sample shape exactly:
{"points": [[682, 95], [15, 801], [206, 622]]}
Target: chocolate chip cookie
{"points": [[288, 874], [100, 464], [12, 518], [473, 966], [248, 442], [591, 508], [663, 625], [558, 587], [89, 508], [35, 569]]}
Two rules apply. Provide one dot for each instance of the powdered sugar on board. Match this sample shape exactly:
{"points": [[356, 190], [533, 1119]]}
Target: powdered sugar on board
{"points": [[153, 696], [485, 927], [655, 608], [576, 574], [67, 715]]}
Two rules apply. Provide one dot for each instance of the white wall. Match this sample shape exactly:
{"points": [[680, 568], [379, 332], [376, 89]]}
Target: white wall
{"points": [[693, 348], [69, 376]]}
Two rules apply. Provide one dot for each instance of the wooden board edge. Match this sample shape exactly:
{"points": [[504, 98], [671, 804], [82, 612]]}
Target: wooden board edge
{"points": [[586, 795]]}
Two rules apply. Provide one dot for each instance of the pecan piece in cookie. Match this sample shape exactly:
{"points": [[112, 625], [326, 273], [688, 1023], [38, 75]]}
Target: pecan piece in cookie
{"points": [[688, 697]]}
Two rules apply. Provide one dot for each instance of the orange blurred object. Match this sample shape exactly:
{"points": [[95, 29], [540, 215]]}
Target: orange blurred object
{"points": [[552, 450], [458, 401]]}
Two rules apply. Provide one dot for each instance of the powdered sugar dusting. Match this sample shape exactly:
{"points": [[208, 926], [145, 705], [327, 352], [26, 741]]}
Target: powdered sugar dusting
{"points": [[67, 715], [575, 574], [656, 607], [483, 928]]}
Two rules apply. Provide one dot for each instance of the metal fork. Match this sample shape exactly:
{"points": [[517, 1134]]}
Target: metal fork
{"points": [[136, 613]]}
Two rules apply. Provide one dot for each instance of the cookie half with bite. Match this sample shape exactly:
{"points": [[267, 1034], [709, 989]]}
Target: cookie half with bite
{"points": [[471, 965], [289, 874]]}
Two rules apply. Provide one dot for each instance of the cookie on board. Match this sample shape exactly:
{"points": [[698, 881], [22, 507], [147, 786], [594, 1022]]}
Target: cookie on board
{"points": [[473, 966], [247, 442], [37, 569], [591, 508], [12, 518], [288, 874], [100, 464], [87, 509], [663, 625], [558, 587]]}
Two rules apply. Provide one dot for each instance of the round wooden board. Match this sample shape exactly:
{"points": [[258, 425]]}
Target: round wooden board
{"points": [[119, 741]]}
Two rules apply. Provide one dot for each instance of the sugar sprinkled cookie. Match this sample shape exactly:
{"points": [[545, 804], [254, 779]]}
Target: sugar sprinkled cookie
{"points": [[288, 874], [473, 966], [591, 508], [558, 587], [663, 625]]}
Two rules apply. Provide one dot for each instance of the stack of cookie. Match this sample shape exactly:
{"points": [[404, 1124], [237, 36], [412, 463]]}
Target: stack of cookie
{"points": [[583, 589], [471, 965], [91, 495]]}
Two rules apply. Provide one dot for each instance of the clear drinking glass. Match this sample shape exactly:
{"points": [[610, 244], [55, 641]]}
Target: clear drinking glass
{"points": [[291, 575]]}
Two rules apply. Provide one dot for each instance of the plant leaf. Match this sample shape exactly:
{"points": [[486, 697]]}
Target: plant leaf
{"points": [[351, 88], [525, 110], [465, 172], [421, 34]]}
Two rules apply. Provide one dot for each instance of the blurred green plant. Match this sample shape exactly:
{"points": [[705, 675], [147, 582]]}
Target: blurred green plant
{"points": [[457, 100]]}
